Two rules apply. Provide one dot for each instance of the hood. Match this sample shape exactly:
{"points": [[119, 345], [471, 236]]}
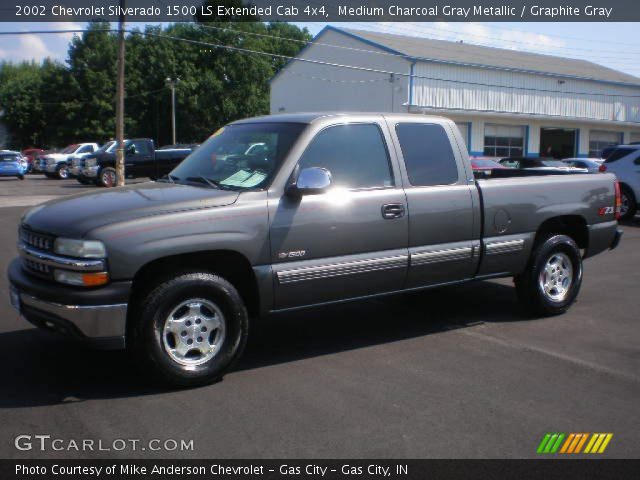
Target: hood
{"points": [[76, 215]]}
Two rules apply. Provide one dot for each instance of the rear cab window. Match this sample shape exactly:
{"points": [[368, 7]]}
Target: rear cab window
{"points": [[427, 152]]}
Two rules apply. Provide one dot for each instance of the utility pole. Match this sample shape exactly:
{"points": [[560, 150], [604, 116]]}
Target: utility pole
{"points": [[120, 101], [171, 83]]}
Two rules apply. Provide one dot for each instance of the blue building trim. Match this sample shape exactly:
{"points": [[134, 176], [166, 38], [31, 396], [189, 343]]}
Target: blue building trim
{"points": [[576, 151], [526, 140], [413, 64], [476, 154], [469, 136]]}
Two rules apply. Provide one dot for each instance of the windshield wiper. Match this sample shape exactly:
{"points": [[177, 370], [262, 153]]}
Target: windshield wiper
{"points": [[170, 178], [210, 182]]}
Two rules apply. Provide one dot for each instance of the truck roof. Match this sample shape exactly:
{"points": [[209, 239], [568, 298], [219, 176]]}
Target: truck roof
{"points": [[311, 117]]}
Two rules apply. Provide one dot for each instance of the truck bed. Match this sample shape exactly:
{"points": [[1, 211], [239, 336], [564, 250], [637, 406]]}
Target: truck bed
{"points": [[514, 209]]}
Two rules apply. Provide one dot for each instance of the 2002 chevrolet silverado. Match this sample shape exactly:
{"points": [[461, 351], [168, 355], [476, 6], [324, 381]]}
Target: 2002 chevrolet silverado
{"points": [[336, 207]]}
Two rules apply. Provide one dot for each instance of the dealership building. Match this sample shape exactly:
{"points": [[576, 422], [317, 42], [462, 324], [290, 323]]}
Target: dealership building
{"points": [[505, 102]]}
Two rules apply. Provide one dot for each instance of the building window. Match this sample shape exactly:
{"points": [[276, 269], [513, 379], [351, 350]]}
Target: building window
{"points": [[599, 139], [503, 141]]}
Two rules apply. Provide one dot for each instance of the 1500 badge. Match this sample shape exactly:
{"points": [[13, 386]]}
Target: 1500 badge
{"points": [[292, 254]]}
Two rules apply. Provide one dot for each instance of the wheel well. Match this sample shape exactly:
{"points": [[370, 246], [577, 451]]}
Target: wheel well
{"points": [[628, 189], [573, 226], [229, 264]]}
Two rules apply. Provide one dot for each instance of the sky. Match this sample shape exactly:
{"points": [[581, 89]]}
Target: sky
{"points": [[614, 45]]}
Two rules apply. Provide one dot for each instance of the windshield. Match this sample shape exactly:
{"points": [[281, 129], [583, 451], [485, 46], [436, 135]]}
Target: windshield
{"points": [[8, 157], [240, 156], [70, 149], [554, 163], [107, 147]]}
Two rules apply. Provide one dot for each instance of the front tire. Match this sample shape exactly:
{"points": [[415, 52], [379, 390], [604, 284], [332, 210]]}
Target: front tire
{"points": [[107, 177], [629, 205], [191, 329], [552, 280], [62, 172], [21, 177]]}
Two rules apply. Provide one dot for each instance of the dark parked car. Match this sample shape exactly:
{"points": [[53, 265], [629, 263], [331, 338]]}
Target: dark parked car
{"points": [[141, 160]]}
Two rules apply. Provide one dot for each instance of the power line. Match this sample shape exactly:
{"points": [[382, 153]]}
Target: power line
{"points": [[357, 68], [377, 52]]}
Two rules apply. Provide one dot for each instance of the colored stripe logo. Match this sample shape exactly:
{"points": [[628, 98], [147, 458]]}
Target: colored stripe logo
{"points": [[574, 443]]}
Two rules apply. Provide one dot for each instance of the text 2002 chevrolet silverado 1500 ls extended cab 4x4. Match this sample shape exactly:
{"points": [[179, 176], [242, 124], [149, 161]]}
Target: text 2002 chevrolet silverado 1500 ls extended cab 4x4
{"points": [[337, 207]]}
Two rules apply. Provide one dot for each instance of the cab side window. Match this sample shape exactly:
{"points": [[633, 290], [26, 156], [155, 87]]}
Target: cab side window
{"points": [[355, 154], [427, 154]]}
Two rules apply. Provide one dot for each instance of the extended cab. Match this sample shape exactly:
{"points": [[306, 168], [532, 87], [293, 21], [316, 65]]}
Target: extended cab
{"points": [[141, 160], [335, 207]]}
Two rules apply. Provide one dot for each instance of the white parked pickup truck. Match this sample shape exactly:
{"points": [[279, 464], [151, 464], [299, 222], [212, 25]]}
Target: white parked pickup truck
{"points": [[56, 165]]}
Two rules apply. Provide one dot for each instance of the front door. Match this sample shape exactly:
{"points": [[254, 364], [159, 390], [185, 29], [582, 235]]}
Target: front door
{"points": [[139, 159], [350, 241]]}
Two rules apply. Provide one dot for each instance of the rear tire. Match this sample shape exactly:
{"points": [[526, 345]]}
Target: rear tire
{"points": [[552, 280], [190, 330], [21, 177], [629, 204]]}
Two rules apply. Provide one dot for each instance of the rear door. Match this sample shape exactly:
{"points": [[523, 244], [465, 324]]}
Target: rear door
{"points": [[352, 240], [442, 201]]}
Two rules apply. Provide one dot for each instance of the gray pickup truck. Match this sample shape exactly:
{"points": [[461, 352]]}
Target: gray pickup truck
{"points": [[335, 207]]}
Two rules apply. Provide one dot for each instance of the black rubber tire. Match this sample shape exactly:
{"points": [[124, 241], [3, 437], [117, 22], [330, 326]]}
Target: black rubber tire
{"points": [[50, 176], [84, 180], [62, 172], [146, 333], [101, 177], [528, 289], [633, 204], [21, 177]]}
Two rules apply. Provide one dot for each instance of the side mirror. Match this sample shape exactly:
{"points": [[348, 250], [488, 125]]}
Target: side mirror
{"points": [[311, 181]]}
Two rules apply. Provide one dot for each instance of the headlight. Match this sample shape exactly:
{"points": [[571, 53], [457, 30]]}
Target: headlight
{"points": [[79, 248], [90, 162]]}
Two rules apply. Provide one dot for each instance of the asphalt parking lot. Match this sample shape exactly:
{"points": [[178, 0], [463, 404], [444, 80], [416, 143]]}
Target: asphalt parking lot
{"points": [[449, 373]]}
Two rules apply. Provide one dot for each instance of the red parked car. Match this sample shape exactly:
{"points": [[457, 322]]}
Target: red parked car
{"points": [[31, 154], [482, 166]]}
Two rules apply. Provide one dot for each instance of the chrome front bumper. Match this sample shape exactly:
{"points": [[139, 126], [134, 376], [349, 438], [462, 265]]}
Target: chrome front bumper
{"points": [[91, 172], [102, 324]]}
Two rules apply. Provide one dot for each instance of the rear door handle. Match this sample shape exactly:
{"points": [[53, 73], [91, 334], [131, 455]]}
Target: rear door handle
{"points": [[392, 210]]}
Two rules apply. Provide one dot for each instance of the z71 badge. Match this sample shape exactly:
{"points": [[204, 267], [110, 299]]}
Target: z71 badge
{"points": [[292, 254]]}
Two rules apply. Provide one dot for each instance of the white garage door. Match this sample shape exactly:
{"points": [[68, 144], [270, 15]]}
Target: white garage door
{"points": [[598, 139], [503, 140], [635, 137]]}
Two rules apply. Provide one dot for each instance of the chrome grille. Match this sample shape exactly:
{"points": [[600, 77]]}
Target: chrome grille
{"points": [[36, 240], [37, 268]]}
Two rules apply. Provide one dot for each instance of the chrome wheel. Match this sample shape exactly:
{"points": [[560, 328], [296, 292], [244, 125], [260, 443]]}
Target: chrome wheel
{"points": [[193, 332], [556, 278], [63, 173], [108, 178]]}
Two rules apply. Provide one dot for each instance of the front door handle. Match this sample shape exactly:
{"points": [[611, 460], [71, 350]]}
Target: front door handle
{"points": [[392, 210]]}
